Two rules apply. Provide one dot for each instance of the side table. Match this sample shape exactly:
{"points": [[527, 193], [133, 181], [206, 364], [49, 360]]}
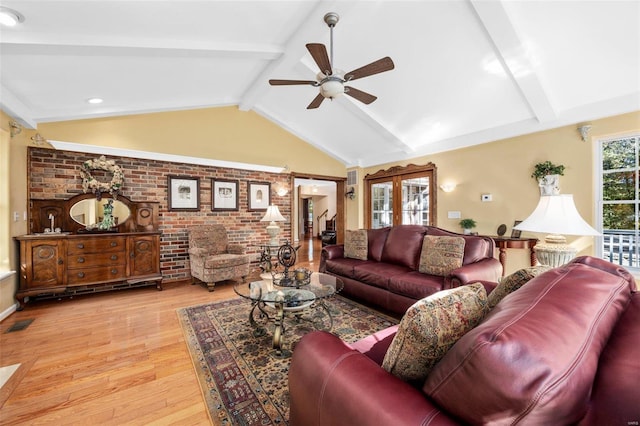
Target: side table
{"points": [[504, 243]]}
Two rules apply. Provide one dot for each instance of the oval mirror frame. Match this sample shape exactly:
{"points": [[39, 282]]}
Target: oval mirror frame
{"points": [[91, 211]]}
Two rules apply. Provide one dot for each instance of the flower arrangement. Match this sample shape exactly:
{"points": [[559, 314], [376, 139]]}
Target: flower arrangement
{"points": [[541, 170], [91, 183]]}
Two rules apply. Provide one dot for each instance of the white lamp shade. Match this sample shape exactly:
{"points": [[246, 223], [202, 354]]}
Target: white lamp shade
{"points": [[273, 215], [556, 214]]}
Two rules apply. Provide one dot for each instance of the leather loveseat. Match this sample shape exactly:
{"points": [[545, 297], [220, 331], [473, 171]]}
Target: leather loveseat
{"points": [[562, 349], [390, 278]]}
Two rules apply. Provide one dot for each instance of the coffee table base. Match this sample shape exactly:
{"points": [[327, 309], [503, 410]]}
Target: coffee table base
{"points": [[279, 326]]}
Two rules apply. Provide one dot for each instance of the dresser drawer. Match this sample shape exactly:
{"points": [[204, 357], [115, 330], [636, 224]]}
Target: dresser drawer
{"points": [[90, 260], [91, 275], [96, 245]]}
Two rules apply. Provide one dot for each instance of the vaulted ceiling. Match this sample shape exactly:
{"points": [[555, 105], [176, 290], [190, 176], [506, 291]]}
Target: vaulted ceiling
{"points": [[466, 71]]}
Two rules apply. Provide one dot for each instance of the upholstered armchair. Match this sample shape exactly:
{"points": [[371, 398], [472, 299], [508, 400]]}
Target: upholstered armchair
{"points": [[212, 258]]}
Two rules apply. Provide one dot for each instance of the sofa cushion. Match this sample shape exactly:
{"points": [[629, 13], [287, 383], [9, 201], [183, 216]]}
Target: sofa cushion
{"points": [[355, 244], [415, 285], [441, 255], [430, 327], [512, 282], [377, 238], [403, 245], [534, 357], [343, 266], [377, 273]]}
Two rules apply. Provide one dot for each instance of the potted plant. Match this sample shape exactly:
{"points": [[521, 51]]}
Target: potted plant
{"points": [[467, 225], [548, 176]]}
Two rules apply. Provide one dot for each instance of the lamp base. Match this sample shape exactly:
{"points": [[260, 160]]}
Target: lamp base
{"points": [[554, 251], [273, 230]]}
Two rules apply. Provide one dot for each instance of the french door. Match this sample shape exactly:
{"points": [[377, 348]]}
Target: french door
{"points": [[401, 195]]}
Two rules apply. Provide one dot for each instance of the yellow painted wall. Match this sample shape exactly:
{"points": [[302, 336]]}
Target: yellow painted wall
{"points": [[219, 133], [17, 164], [503, 168]]}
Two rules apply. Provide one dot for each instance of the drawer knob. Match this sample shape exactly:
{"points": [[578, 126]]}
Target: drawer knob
{"points": [[81, 274], [113, 244], [80, 245], [114, 271], [114, 257], [81, 260]]}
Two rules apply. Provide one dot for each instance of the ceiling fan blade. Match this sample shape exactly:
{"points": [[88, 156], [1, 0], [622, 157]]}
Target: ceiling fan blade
{"points": [[291, 82], [363, 97], [316, 102], [381, 65], [319, 54]]}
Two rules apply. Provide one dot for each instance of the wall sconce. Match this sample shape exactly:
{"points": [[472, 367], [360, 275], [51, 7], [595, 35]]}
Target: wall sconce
{"points": [[448, 186], [15, 128], [351, 193], [584, 131], [281, 189]]}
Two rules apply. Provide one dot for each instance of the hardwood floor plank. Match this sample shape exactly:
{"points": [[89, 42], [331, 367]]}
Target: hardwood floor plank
{"points": [[116, 358]]}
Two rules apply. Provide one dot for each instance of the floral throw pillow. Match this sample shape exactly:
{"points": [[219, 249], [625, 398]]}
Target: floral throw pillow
{"points": [[356, 244], [430, 327], [512, 282], [441, 254]]}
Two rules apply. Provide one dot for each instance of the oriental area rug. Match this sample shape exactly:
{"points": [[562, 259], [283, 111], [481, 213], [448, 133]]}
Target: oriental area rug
{"points": [[243, 382]]}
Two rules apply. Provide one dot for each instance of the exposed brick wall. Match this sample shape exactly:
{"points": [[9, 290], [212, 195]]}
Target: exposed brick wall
{"points": [[56, 174]]}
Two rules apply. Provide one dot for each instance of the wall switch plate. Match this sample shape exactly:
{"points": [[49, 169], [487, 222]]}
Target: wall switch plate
{"points": [[453, 215], [16, 216], [486, 197]]}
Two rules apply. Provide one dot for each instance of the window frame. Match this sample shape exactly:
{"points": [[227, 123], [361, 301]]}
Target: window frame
{"points": [[599, 193]]}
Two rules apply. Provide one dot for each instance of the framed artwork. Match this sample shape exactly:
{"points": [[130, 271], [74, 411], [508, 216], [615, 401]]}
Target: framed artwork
{"points": [[259, 194], [514, 232], [224, 195], [184, 193]]}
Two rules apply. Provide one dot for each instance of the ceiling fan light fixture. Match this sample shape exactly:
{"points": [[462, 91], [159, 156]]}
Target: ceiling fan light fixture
{"points": [[332, 88]]}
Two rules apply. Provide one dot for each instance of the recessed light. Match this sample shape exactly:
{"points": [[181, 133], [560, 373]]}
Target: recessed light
{"points": [[10, 17], [95, 100]]}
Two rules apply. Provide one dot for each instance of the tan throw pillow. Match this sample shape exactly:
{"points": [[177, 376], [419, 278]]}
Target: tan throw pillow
{"points": [[512, 282], [430, 327], [355, 244], [440, 255]]}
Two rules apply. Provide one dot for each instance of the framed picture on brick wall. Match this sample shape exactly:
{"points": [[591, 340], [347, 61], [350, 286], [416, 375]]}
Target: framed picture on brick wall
{"points": [[184, 193], [259, 194], [224, 195]]}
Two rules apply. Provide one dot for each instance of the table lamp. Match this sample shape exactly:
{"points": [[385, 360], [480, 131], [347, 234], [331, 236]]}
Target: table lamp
{"points": [[272, 216], [555, 215]]}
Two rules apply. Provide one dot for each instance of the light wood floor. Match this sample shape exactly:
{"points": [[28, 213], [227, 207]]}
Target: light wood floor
{"points": [[112, 358]]}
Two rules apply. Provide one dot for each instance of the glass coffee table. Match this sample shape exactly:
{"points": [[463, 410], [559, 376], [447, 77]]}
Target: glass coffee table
{"points": [[273, 302]]}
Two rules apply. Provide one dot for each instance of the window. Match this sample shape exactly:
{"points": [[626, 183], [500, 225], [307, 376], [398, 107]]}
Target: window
{"points": [[401, 195], [619, 200]]}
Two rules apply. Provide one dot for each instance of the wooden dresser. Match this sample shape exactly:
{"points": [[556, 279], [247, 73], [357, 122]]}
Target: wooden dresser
{"points": [[75, 262]]}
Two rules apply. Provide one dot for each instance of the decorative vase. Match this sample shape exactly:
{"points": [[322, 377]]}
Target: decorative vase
{"points": [[549, 185]]}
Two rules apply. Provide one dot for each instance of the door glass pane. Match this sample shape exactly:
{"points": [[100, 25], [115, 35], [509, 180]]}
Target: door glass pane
{"points": [[415, 201], [381, 204]]}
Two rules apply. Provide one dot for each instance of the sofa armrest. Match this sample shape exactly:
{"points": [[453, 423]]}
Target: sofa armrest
{"points": [[335, 251], [332, 384], [235, 248], [198, 251], [488, 269]]}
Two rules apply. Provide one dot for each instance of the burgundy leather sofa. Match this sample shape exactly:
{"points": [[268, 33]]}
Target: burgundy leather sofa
{"points": [[563, 349], [389, 278]]}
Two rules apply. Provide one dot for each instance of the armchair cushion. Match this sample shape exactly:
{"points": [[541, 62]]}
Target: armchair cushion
{"points": [[224, 260], [441, 254], [431, 327]]}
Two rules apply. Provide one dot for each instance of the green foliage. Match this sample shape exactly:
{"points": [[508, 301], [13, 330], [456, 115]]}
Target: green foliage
{"points": [[541, 170], [619, 165], [467, 223]]}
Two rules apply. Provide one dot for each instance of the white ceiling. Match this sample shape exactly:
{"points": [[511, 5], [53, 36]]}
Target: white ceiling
{"points": [[466, 71]]}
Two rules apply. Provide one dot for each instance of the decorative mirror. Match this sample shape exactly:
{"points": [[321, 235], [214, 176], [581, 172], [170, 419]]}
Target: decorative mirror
{"points": [[90, 211], [95, 174]]}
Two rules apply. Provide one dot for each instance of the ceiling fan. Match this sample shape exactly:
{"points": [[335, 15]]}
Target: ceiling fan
{"points": [[331, 81]]}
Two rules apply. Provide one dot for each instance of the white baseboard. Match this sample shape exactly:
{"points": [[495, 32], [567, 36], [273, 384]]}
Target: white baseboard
{"points": [[11, 309]]}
